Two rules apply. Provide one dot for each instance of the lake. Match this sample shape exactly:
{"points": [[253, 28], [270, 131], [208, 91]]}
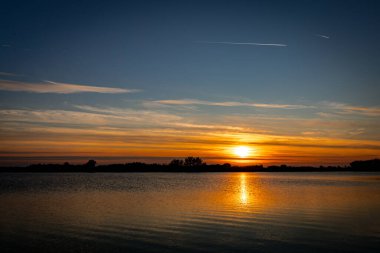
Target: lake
{"points": [[190, 212]]}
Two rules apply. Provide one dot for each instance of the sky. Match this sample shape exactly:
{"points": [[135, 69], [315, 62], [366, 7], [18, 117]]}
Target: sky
{"points": [[295, 82]]}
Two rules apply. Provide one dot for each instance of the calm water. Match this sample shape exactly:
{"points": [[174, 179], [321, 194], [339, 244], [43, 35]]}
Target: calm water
{"points": [[210, 212]]}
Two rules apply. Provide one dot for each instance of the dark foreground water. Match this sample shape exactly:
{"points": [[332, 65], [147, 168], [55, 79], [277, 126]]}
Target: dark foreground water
{"points": [[161, 212]]}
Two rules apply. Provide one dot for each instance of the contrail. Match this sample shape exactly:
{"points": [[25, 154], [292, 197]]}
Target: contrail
{"points": [[243, 43], [323, 36]]}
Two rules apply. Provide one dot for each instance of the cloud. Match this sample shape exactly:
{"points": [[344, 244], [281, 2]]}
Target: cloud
{"points": [[60, 88], [114, 131], [350, 109], [318, 142], [323, 36], [230, 104], [145, 116], [159, 118], [243, 43], [123, 119], [7, 74], [52, 116]]}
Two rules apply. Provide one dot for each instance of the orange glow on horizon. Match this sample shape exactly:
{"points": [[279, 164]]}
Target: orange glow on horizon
{"points": [[214, 146]]}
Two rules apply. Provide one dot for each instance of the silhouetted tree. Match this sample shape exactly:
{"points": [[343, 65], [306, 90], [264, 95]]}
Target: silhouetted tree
{"points": [[90, 164], [193, 161], [366, 165], [176, 163]]}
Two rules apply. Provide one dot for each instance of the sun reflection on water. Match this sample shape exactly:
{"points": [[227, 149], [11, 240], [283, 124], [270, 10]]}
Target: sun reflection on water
{"points": [[244, 194]]}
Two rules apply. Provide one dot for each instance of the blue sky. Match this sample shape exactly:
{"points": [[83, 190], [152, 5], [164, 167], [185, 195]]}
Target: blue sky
{"points": [[181, 58]]}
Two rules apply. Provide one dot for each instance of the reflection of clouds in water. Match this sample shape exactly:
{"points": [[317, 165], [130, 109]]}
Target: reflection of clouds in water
{"points": [[244, 196]]}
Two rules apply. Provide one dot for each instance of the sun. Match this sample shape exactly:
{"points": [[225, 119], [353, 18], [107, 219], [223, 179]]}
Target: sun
{"points": [[242, 151]]}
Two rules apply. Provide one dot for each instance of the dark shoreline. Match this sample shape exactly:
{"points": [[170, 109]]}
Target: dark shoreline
{"points": [[356, 166]]}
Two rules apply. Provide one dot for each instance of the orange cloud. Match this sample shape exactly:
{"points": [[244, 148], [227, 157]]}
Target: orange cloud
{"points": [[116, 132]]}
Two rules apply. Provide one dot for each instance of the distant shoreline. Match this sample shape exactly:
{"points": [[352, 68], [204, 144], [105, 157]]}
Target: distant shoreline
{"points": [[190, 164]]}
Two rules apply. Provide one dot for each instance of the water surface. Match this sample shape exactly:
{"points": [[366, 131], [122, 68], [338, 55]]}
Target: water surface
{"points": [[188, 212]]}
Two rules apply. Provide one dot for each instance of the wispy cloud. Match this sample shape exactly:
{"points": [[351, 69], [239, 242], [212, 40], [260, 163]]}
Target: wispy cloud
{"points": [[350, 109], [230, 104], [323, 36], [243, 43], [121, 131], [122, 120], [146, 116], [61, 88], [8, 74]]}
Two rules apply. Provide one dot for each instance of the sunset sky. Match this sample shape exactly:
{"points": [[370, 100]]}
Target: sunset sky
{"points": [[295, 82]]}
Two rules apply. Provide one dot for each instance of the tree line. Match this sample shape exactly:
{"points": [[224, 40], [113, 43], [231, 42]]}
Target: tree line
{"points": [[189, 164]]}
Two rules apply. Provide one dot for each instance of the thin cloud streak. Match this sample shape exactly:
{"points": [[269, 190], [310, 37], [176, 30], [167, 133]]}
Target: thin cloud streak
{"points": [[60, 88], [7, 74], [350, 109], [243, 43], [110, 120], [323, 36], [230, 104]]}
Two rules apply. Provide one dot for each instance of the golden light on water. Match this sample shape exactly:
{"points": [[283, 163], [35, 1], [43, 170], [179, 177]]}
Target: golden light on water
{"points": [[244, 197]]}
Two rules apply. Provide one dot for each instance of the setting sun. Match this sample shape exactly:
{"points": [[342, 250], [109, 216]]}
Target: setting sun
{"points": [[242, 151]]}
